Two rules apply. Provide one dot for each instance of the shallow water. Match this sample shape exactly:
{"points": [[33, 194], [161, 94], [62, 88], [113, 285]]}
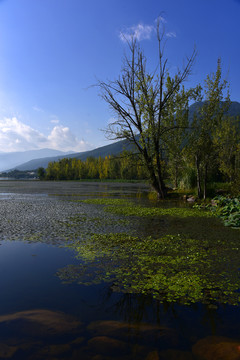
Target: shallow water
{"points": [[42, 317]]}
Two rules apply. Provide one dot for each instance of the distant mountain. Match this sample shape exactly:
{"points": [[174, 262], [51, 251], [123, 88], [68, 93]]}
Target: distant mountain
{"points": [[234, 109], [13, 159], [112, 149]]}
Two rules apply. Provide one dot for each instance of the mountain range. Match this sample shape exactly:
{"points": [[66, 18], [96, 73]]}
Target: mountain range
{"points": [[31, 160], [42, 161], [14, 159]]}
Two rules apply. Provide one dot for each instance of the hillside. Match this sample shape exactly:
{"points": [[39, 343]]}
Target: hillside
{"points": [[112, 149], [13, 159], [234, 109]]}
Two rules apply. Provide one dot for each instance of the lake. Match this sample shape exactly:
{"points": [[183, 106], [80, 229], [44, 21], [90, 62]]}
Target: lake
{"points": [[80, 275]]}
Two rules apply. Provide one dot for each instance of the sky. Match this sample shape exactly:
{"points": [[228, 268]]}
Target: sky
{"points": [[53, 52]]}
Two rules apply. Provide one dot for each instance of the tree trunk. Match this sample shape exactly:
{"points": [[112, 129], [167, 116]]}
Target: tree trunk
{"points": [[176, 176], [156, 178], [199, 188], [157, 183], [205, 182], [160, 188]]}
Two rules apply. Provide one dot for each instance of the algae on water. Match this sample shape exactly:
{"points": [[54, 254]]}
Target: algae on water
{"points": [[127, 208], [172, 268]]}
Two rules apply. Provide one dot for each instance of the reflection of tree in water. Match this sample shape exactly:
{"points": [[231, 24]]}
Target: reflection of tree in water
{"points": [[172, 268], [138, 309], [132, 308]]}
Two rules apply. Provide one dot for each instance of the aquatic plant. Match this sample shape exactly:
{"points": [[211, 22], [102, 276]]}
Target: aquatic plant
{"points": [[127, 208], [108, 202], [171, 268]]}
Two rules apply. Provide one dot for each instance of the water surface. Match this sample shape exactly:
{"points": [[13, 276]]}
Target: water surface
{"points": [[44, 317]]}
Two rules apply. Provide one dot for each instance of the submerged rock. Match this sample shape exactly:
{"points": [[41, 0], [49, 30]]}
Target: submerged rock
{"points": [[148, 334], [51, 322], [191, 198], [173, 354], [56, 350], [108, 346], [217, 348], [6, 351], [153, 355]]}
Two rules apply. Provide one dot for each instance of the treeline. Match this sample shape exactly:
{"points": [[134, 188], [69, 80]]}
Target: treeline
{"points": [[195, 156], [20, 175], [180, 166], [125, 166]]}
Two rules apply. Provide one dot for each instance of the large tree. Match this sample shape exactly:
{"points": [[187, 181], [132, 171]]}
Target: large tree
{"points": [[141, 99]]}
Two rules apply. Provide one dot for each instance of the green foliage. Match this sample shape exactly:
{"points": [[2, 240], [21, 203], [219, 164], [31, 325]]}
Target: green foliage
{"points": [[20, 175], [208, 118], [235, 185], [188, 178], [126, 166], [41, 173], [172, 268], [228, 209], [226, 142]]}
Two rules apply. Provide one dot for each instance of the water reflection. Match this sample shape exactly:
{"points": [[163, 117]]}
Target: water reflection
{"points": [[146, 329]]}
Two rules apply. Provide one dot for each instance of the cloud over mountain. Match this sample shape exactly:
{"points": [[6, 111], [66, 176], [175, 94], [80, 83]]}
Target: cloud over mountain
{"points": [[17, 136]]}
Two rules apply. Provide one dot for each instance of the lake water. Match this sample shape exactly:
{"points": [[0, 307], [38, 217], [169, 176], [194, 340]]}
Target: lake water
{"points": [[45, 313]]}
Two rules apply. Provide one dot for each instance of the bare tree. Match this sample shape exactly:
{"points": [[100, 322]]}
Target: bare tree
{"points": [[140, 100]]}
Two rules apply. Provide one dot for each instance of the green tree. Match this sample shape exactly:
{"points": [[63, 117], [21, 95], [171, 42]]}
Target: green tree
{"points": [[175, 140], [139, 98], [41, 172], [114, 167], [226, 140], [205, 123]]}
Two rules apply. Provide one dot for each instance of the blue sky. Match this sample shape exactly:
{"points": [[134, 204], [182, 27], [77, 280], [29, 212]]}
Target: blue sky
{"points": [[52, 51]]}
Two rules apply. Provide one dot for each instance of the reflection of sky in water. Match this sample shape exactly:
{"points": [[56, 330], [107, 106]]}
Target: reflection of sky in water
{"points": [[29, 274], [9, 195]]}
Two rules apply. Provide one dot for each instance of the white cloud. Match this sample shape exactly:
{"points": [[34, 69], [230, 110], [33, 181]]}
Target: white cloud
{"points": [[38, 109], [171, 34], [17, 136], [55, 121], [143, 32], [139, 32], [62, 138]]}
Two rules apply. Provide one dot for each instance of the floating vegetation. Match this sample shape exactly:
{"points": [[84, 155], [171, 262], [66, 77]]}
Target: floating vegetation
{"points": [[144, 211], [127, 208], [109, 202], [172, 268]]}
